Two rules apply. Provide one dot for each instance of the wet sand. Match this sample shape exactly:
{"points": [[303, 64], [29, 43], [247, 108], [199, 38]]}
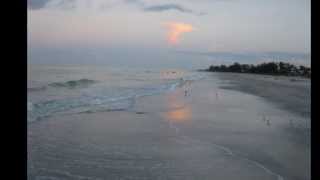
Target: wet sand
{"points": [[211, 133]]}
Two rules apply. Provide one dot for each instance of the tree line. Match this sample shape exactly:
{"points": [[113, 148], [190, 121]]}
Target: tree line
{"points": [[271, 68]]}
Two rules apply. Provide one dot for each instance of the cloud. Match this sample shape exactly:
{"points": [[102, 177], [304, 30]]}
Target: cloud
{"points": [[137, 2], [176, 29], [71, 4], [166, 7], [37, 4]]}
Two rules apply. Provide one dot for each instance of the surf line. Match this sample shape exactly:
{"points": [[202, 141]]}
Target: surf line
{"points": [[231, 153], [279, 177]]}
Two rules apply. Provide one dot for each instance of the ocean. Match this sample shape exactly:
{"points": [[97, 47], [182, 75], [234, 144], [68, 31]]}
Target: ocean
{"points": [[55, 90]]}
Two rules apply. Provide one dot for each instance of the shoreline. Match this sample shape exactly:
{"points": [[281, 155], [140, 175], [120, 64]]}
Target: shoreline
{"points": [[173, 136]]}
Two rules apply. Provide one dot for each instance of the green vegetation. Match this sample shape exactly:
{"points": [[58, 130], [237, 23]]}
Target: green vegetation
{"points": [[271, 68]]}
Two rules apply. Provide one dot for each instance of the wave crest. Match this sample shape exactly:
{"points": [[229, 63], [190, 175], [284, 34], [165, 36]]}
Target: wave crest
{"points": [[73, 83]]}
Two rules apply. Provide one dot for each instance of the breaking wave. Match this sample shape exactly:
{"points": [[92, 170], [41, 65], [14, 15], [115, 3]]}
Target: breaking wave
{"points": [[73, 83]]}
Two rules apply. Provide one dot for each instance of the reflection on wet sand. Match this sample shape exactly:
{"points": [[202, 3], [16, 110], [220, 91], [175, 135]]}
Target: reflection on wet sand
{"points": [[179, 111], [179, 115]]}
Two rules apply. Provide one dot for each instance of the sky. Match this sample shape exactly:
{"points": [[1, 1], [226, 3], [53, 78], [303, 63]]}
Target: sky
{"points": [[154, 30]]}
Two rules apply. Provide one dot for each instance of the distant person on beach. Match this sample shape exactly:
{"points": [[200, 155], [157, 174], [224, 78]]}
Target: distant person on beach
{"points": [[268, 122]]}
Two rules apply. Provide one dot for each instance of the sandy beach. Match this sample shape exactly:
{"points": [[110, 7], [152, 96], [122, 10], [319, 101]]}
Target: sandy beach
{"points": [[227, 126], [290, 93]]}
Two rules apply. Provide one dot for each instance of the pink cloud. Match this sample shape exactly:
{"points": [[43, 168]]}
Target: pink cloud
{"points": [[176, 29]]}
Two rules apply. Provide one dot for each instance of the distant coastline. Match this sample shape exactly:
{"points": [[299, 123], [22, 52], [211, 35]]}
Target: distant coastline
{"points": [[270, 68]]}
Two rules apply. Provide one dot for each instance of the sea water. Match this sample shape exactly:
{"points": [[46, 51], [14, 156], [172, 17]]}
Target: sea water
{"points": [[55, 90]]}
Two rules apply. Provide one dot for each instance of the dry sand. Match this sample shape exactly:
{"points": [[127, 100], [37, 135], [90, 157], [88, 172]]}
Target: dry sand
{"points": [[290, 93]]}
